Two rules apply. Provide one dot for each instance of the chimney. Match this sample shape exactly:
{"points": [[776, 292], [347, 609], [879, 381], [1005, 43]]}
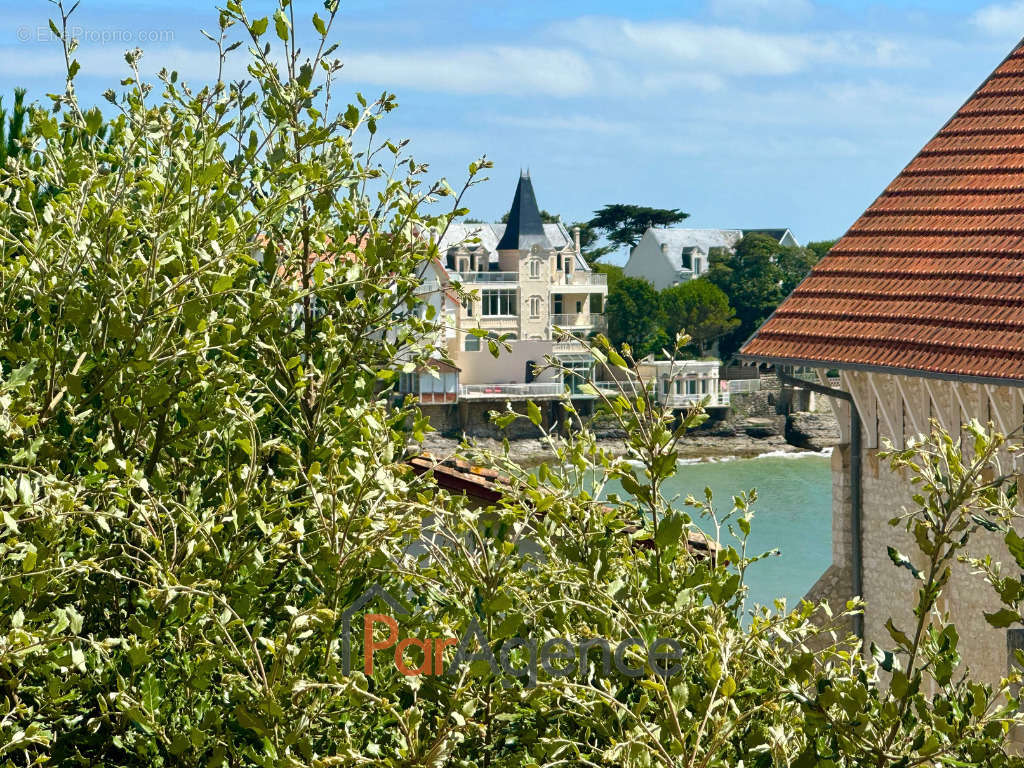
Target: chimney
{"points": [[576, 240]]}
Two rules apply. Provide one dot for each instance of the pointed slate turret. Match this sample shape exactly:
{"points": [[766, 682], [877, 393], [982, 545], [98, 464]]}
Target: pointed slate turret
{"points": [[525, 227], [931, 278]]}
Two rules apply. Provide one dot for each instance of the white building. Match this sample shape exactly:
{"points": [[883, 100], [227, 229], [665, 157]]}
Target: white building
{"points": [[685, 383], [668, 256], [527, 278]]}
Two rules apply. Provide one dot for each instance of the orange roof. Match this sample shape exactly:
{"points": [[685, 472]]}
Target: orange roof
{"points": [[931, 278]]}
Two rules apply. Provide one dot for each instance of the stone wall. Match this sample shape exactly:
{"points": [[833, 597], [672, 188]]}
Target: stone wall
{"points": [[472, 418], [890, 591]]}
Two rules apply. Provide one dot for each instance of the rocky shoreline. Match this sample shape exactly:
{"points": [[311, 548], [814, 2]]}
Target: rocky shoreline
{"points": [[752, 437]]}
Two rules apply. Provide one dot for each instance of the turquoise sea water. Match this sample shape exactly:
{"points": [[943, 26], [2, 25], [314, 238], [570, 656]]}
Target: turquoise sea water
{"points": [[793, 514]]}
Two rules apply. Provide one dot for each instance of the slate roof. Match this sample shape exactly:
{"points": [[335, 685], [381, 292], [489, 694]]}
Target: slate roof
{"points": [[679, 239], [931, 278], [525, 227]]}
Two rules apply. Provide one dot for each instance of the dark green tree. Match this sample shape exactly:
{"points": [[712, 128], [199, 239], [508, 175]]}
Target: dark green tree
{"points": [[756, 277], [614, 273], [546, 216], [699, 308], [821, 248], [590, 242], [12, 126], [624, 225], [634, 317]]}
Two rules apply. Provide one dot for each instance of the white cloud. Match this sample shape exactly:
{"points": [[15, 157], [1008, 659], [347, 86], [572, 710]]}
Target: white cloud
{"points": [[107, 62], [714, 52], [1001, 19], [478, 69], [788, 10], [563, 124]]}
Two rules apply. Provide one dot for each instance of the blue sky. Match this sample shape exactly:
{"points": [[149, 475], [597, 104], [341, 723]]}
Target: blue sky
{"points": [[744, 113]]}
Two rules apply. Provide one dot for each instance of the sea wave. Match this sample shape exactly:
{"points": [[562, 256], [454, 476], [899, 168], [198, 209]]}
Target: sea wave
{"points": [[825, 454]]}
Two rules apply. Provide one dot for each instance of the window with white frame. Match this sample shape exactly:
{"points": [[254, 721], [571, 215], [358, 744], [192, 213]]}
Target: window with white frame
{"points": [[501, 301], [535, 306], [535, 268], [472, 343]]}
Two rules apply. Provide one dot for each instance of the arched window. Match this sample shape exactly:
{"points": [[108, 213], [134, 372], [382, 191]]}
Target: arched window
{"points": [[535, 306], [534, 268]]}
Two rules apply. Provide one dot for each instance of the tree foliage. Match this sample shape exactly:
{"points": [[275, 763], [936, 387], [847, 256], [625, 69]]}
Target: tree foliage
{"points": [[820, 248], [634, 316], [203, 464], [624, 224], [12, 126], [700, 309], [590, 240], [545, 216], [756, 276]]}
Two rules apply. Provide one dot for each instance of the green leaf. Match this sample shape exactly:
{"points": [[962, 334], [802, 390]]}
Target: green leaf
{"points": [[319, 24], [259, 26], [281, 25], [533, 412], [670, 530], [901, 560], [29, 563], [1003, 618], [728, 687], [152, 693], [897, 635], [93, 120]]}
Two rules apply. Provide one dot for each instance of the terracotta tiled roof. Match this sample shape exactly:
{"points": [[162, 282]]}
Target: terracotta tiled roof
{"points": [[486, 486], [931, 278]]}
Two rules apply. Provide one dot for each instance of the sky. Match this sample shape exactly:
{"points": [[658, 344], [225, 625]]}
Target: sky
{"points": [[743, 113]]}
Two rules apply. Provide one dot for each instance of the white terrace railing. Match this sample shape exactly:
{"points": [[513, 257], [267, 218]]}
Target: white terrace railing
{"points": [[489, 277], [491, 391], [582, 320], [716, 399], [744, 386], [587, 278]]}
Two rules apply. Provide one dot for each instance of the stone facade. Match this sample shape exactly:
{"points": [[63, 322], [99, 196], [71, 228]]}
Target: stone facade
{"points": [[896, 410]]}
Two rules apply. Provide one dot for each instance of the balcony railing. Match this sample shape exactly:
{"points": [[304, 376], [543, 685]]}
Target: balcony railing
{"points": [[591, 321], [744, 386], [715, 399], [486, 391], [586, 278], [489, 277]]}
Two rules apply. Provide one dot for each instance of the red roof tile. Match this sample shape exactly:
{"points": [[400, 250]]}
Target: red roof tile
{"points": [[931, 278]]}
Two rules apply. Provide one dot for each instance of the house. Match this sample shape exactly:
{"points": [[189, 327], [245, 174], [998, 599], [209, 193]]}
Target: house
{"points": [[667, 256], [528, 279], [920, 309], [685, 383]]}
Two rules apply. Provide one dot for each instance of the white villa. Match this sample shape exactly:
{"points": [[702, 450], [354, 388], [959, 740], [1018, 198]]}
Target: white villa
{"points": [[668, 256], [527, 278], [684, 383]]}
